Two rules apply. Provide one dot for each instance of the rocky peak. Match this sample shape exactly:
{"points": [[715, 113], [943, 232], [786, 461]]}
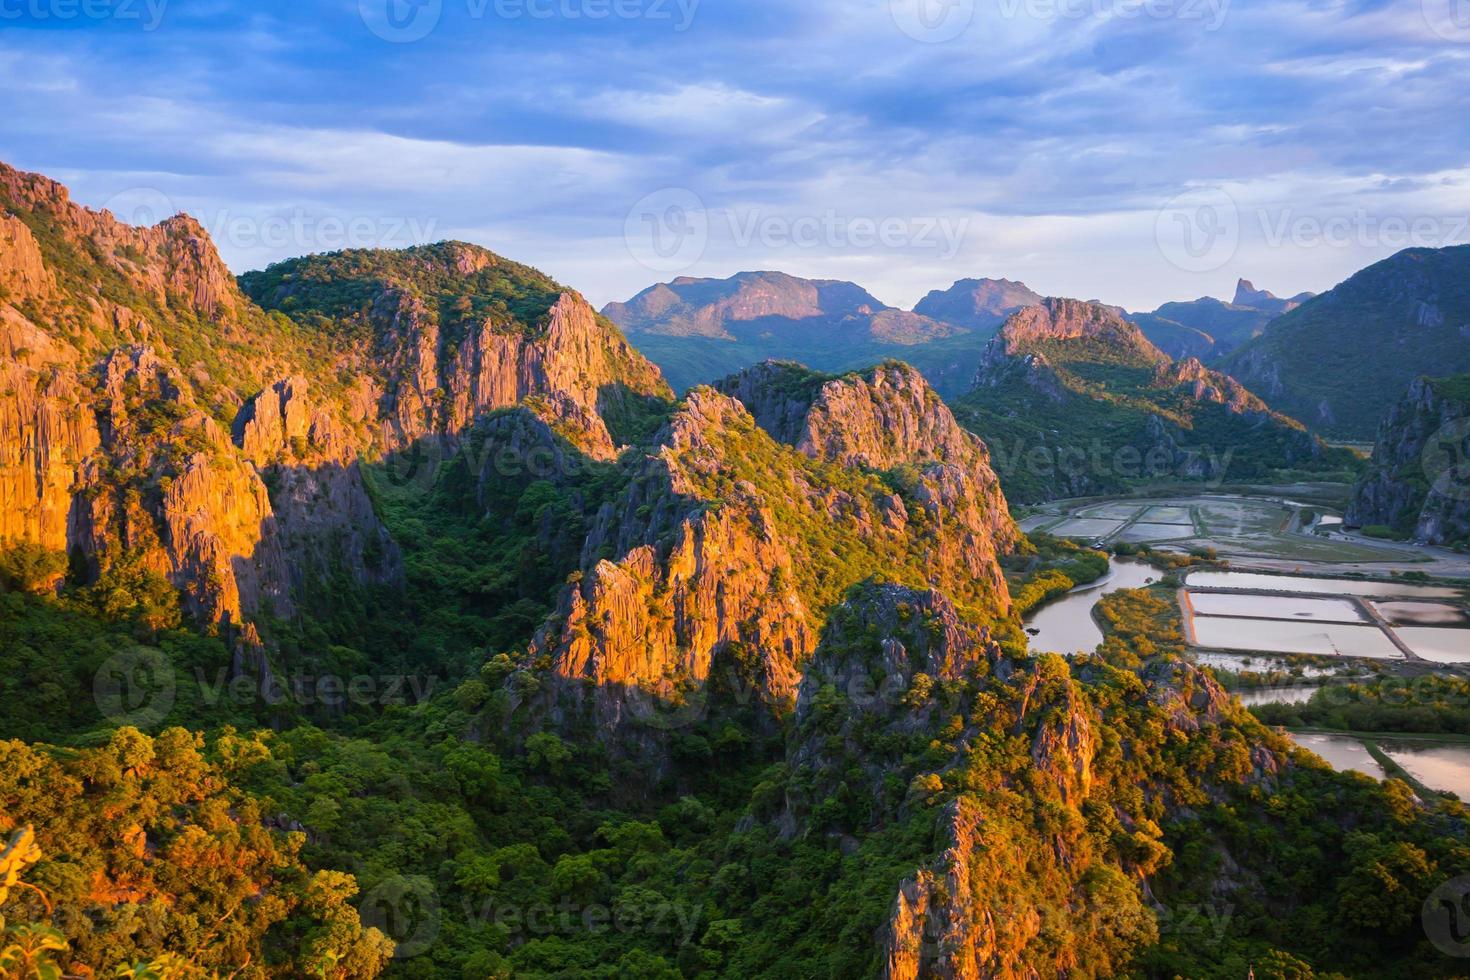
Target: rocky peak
{"points": [[710, 307], [172, 260], [1247, 295], [1062, 320], [1205, 385], [978, 303], [1419, 479]]}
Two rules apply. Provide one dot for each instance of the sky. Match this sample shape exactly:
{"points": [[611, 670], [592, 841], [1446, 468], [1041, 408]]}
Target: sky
{"points": [[1134, 151]]}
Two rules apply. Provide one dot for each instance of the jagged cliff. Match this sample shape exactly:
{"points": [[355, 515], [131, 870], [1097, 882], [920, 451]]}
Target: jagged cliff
{"points": [[728, 551], [1419, 480], [153, 413], [1079, 401], [1018, 783]]}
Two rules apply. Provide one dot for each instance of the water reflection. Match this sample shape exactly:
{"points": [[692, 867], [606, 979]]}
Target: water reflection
{"points": [[1066, 626], [1342, 753]]}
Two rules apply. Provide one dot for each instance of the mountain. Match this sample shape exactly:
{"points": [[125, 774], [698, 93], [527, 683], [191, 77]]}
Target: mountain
{"points": [[1418, 482], [1341, 360], [701, 329], [1209, 328], [1248, 296], [762, 505], [385, 613], [981, 305], [156, 420], [1073, 399]]}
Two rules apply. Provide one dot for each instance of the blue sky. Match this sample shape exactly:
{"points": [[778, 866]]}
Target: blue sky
{"points": [[1136, 151]]}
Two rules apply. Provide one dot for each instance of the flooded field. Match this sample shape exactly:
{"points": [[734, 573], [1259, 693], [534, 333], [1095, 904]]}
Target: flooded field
{"points": [[1245, 662], [1277, 607], [1066, 625], [1441, 646], [1144, 533], [1318, 586], [1422, 614], [1276, 695], [1287, 636]]}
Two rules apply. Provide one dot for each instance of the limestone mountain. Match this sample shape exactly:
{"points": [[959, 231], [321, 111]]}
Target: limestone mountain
{"points": [[1341, 360], [738, 675], [157, 420], [981, 305], [1073, 399], [1248, 296], [1418, 482], [761, 504], [699, 330], [1209, 328]]}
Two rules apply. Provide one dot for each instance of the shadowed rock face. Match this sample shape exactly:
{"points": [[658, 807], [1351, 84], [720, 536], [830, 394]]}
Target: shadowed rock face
{"points": [[742, 532], [1419, 479], [898, 666], [151, 410], [1341, 360]]}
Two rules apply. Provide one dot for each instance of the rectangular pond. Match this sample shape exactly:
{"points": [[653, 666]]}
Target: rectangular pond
{"points": [[1277, 607], [1158, 532], [1318, 586], [1286, 636], [1423, 613], [1441, 646], [1086, 529]]}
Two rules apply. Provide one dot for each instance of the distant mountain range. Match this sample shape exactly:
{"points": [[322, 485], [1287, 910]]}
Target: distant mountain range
{"points": [[1342, 360], [700, 330], [1209, 328], [1073, 399]]}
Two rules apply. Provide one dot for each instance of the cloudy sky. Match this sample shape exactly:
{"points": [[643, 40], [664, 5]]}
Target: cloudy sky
{"points": [[1136, 151]]}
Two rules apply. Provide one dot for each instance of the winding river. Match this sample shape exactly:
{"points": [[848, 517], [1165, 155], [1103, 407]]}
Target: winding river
{"points": [[1066, 625]]}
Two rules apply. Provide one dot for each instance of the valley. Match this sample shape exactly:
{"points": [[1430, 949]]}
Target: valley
{"points": [[1293, 621], [412, 600]]}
